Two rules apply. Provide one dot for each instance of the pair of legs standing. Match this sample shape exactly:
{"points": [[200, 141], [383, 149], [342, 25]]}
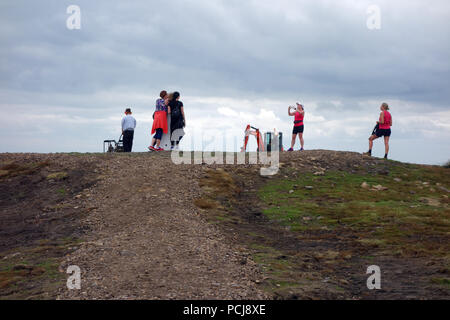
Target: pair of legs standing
{"points": [[175, 143], [386, 144], [157, 138], [298, 130], [128, 140], [300, 136], [176, 131]]}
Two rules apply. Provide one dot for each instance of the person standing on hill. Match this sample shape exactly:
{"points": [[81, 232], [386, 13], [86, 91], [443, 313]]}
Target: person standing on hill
{"points": [[128, 126], [177, 120], [383, 129], [299, 114], [159, 121]]}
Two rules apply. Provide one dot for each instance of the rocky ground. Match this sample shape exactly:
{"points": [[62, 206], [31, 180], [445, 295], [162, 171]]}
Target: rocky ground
{"points": [[142, 235], [141, 227]]}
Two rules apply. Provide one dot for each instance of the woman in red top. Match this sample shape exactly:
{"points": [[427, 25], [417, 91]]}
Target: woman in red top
{"points": [[299, 114], [383, 129]]}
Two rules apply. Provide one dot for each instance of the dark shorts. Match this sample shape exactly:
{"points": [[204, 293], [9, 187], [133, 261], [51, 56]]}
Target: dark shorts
{"points": [[158, 134], [298, 129], [383, 133]]}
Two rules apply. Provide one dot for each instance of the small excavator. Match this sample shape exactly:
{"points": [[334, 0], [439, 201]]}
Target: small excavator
{"points": [[259, 140], [262, 146]]}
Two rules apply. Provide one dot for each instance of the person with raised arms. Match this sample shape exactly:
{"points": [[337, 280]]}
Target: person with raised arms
{"points": [[299, 114]]}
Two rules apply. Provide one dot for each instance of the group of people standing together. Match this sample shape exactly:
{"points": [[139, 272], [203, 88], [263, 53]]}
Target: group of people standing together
{"points": [[169, 113], [382, 129]]}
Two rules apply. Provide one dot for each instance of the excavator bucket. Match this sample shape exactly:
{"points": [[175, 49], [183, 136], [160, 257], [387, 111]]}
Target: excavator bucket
{"points": [[259, 139]]}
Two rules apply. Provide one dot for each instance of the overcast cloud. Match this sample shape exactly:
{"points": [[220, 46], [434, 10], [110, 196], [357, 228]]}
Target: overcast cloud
{"points": [[234, 62]]}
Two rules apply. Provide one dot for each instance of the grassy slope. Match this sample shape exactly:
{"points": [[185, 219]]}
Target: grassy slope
{"points": [[316, 242], [393, 218], [32, 271], [409, 219]]}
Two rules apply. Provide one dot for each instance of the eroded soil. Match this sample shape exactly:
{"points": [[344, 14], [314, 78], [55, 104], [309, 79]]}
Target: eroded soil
{"points": [[40, 221], [141, 227]]}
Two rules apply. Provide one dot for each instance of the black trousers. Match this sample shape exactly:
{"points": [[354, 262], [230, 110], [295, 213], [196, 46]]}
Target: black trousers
{"points": [[177, 142], [128, 140]]}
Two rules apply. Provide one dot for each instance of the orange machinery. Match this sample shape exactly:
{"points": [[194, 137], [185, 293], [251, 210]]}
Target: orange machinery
{"points": [[259, 139]]}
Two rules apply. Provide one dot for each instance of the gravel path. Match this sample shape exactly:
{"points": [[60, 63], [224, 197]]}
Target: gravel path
{"points": [[149, 241]]}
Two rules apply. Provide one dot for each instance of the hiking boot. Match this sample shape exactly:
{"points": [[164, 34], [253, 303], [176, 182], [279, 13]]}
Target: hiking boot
{"points": [[290, 150]]}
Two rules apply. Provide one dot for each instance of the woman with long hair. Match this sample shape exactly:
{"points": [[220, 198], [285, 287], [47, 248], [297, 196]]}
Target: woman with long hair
{"points": [[383, 129], [299, 114], [177, 120]]}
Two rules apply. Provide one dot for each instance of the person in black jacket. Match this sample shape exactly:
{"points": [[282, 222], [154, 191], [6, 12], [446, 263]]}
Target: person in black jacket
{"points": [[177, 120]]}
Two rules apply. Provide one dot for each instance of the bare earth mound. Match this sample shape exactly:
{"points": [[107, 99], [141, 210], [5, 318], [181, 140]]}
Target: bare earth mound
{"points": [[141, 227]]}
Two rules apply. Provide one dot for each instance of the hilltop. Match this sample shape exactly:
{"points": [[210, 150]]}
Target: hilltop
{"points": [[141, 227]]}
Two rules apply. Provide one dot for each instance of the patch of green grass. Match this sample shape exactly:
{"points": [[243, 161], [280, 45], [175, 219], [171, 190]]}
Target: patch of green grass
{"points": [[32, 272], [282, 284], [339, 288], [412, 213], [57, 176], [370, 258], [18, 275], [11, 169], [373, 242], [441, 281], [51, 268]]}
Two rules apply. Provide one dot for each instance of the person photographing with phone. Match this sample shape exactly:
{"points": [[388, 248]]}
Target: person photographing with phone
{"points": [[299, 114]]}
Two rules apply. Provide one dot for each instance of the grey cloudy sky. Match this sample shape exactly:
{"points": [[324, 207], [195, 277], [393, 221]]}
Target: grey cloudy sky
{"points": [[234, 62]]}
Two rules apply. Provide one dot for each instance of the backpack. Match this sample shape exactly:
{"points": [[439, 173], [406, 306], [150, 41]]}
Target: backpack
{"points": [[176, 111]]}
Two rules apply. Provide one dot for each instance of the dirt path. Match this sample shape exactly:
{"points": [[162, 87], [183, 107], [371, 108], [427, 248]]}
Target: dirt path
{"points": [[148, 241]]}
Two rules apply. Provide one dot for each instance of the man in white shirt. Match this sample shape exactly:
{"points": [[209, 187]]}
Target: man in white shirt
{"points": [[128, 126]]}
